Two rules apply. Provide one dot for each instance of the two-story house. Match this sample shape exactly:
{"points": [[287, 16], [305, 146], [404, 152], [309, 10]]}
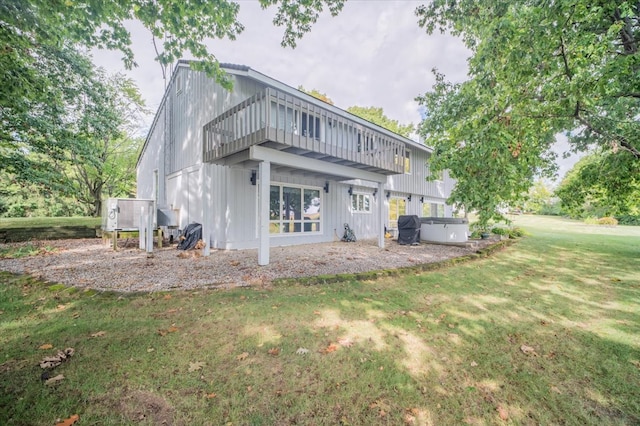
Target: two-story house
{"points": [[266, 165]]}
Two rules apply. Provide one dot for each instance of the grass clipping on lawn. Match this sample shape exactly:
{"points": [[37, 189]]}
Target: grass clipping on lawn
{"points": [[544, 332]]}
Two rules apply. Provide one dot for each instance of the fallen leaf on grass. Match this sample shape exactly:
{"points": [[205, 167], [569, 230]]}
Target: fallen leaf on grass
{"points": [[68, 422], [98, 334], [59, 358], [274, 351], [210, 395], [528, 350], [61, 307], [346, 342], [302, 351], [171, 329], [195, 366], [167, 297], [503, 413], [242, 356], [46, 346], [54, 380], [331, 348], [474, 364]]}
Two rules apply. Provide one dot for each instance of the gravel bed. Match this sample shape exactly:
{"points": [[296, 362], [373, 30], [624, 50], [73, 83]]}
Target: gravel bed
{"points": [[89, 263]]}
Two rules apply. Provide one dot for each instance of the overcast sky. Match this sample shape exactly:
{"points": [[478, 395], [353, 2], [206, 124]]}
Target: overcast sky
{"points": [[372, 54]]}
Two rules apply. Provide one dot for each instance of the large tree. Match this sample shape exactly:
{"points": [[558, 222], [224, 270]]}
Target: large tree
{"points": [[104, 142], [87, 153], [537, 68], [602, 184], [47, 85]]}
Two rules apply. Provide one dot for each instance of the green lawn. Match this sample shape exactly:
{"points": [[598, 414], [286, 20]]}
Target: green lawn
{"points": [[546, 331], [46, 222]]}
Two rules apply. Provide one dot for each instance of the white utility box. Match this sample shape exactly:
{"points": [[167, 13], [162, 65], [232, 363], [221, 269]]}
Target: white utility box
{"points": [[123, 214]]}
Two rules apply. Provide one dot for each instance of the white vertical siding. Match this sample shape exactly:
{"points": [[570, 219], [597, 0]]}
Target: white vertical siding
{"points": [[153, 159], [416, 182], [177, 154], [174, 148]]}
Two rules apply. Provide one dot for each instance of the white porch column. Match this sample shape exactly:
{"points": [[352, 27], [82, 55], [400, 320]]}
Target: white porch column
{"points": [[264, 184], [381, 215], [149, 233], [207, 207]]}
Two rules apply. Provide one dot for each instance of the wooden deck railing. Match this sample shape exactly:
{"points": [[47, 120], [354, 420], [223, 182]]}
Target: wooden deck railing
{"points": [[274, 116]]}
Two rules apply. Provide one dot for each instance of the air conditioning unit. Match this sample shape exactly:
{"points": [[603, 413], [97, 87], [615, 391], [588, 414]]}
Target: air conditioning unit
{"points": [[123, 214]]}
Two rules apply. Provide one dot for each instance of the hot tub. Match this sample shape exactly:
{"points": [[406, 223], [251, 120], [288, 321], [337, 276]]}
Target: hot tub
{"points": [[444, 229]]}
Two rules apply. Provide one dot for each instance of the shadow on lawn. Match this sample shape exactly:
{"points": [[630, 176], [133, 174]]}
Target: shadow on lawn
{"points": [[543, 333]]}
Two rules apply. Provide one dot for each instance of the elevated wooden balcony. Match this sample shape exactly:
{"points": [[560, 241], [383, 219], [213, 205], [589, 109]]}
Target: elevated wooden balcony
{"points": [[281, 121]]}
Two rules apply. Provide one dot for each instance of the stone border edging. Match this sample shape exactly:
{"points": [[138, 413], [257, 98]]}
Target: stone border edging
{"points": [[377, 274]]}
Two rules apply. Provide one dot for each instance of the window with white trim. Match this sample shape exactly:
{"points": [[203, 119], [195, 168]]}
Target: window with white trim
{"points": [[294, 209], [361, 203]]}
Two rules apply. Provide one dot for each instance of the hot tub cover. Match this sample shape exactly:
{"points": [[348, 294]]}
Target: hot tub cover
{"points": [[444, 220]]}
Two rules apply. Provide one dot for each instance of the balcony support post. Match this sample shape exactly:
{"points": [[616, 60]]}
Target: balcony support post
{"points": [[264, 184], [207, 206], [381, 215]]}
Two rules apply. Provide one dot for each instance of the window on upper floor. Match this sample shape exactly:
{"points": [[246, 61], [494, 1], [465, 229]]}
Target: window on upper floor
{"points": [[310, 126], [407, 162]]}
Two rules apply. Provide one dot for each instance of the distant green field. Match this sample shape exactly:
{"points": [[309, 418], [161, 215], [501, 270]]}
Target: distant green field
{"points": [[47, 222], [556, 224]]}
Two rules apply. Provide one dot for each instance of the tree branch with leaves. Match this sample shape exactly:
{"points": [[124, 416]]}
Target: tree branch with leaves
{"points": [[537, 69]]}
